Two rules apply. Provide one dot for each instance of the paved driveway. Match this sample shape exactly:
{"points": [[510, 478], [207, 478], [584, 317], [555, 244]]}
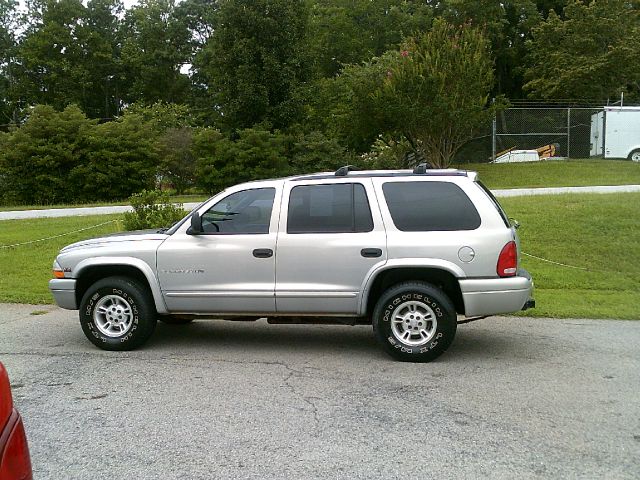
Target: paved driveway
{"points": [[513, 398]]}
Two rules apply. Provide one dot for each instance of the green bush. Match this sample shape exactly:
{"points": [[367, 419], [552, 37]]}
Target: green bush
{"points": [[152, 209]]}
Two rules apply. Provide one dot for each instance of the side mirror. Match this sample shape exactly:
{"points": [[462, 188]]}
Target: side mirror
{"points": [[196, 224]]}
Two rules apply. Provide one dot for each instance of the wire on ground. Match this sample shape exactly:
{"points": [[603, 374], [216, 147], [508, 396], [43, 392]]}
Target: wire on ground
{"points": [[57, 236]]}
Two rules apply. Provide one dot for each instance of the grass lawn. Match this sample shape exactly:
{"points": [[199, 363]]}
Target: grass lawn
{"points": [[557, 173], [26, 269], [597, 232]]}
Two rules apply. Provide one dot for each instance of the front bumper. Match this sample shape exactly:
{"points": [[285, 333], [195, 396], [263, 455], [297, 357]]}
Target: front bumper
{"points": [[492, 296], [64, 292]]}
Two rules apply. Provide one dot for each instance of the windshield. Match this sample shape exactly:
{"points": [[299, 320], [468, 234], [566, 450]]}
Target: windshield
{"points": [[175, 226]]}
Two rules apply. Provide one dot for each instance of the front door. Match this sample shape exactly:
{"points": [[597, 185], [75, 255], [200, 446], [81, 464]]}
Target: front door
{"points": [[230, 267]]}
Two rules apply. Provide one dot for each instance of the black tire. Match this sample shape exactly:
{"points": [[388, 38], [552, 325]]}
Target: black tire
{"points": [[635, 155], [112, 296], [417, 304], [174, 320]]}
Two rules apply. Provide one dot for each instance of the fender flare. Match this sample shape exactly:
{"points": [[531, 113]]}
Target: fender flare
{"points": [[373, 274], [136, 263]]}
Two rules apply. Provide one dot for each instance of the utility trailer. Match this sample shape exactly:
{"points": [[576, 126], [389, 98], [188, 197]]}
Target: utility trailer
{"points": [[615, 133]]}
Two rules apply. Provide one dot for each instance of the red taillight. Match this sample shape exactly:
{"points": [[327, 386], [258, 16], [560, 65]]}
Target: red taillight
{"points": [[15, 463], [508, 260]]}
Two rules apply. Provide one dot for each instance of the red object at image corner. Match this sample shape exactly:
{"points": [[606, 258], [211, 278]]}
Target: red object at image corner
{"points": [[15, 461]]}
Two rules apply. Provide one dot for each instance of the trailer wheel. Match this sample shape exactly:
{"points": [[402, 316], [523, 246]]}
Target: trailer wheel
{"points": [[635, 155]]}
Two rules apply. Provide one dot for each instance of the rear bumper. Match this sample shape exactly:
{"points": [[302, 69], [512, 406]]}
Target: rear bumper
{"points": [[64, 292], [492, 296]]}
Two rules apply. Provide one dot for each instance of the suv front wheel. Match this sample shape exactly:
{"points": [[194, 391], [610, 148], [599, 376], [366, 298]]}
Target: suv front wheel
{"points": [[117, 313], [414, 321]]}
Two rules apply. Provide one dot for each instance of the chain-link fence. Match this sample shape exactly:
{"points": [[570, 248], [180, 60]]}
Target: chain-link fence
{"points": [[567, 129]]}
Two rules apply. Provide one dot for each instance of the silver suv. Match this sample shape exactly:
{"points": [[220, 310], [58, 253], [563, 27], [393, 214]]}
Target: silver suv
{"points": [[406, 251]]}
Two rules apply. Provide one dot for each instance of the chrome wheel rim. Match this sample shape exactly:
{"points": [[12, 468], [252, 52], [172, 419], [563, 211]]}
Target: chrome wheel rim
{"points": [[413, 323], [635, 156], [113, 316]]}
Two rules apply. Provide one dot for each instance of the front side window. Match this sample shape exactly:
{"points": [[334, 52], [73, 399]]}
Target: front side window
{"points": [[244, 212], [335, 208], [430, 206]]}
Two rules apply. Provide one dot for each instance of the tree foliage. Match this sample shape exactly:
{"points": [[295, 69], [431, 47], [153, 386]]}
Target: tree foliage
{"points": [[38, 158], [590, 54], [67, 57], [152, 209], [434, 91], [344, 32], [98, 101], [156, 46], [255, 60], [64, 157], [507, 25]]}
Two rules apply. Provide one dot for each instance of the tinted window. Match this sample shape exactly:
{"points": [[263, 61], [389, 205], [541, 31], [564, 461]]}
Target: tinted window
{"points": [[505, 219], [337, 208], [429, 206], [245, 212]]}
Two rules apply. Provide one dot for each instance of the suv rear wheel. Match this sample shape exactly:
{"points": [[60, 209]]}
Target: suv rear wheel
{"points": [[117, 313], [414, 321]]}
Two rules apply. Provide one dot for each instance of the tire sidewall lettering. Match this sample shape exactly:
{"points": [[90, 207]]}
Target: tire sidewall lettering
{"points": [[386, 323], [89, 309]]}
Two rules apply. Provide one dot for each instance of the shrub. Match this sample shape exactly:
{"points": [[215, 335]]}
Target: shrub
{"points": [[152, 209]]}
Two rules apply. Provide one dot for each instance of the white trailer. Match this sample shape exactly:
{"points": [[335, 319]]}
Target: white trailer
{"points": [[615, 133]]}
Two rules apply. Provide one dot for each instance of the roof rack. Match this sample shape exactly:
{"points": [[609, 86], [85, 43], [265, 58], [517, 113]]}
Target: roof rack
{"points": [[422, 168], [344, 171]]}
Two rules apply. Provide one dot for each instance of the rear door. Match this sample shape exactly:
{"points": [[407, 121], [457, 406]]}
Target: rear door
{"points": [[330, 238]]}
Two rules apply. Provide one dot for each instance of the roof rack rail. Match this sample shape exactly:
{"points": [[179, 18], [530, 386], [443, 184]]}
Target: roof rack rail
{"points": [[344, 171], [422, 168]]}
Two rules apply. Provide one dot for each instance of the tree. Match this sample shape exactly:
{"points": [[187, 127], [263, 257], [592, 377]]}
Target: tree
{"points": [[38, 158], [434, 91], [255, 61], [156, 47], [343, 32], [67, 56], [117, 159], [592, 54], [507, 25], [177, 160], [256, 153], [9, 23]]}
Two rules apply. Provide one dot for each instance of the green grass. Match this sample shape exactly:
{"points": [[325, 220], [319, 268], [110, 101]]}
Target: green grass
{"points": [[597, 232], [174, 199], [557, 173], [26, 269]]}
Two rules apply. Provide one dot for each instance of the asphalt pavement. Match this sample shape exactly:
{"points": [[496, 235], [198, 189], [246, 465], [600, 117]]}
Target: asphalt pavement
{"points": [[512, 398]]}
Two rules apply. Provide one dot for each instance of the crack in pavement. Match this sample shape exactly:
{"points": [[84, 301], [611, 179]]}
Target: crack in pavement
{"points": [[306, 399]]}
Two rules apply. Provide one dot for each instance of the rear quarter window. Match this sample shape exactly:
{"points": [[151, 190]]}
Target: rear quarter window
{"points": [[430, 206]]}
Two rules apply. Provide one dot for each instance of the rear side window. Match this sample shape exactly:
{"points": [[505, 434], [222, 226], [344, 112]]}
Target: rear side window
{"points": [[430, 206], [336, 208]]}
